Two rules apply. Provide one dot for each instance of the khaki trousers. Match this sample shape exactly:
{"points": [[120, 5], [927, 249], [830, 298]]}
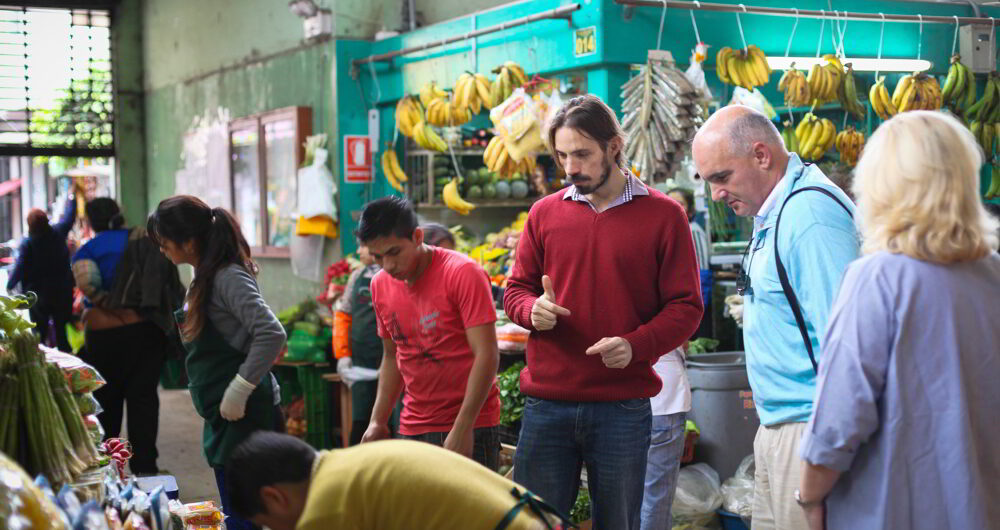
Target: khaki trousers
{"points": [[778, 474]]}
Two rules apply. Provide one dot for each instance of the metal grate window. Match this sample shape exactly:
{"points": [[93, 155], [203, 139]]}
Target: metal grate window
{"points": [[55, 82]]}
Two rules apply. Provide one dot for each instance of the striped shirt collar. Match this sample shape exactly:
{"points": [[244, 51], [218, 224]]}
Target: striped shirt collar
{"points": [[633, 187]]}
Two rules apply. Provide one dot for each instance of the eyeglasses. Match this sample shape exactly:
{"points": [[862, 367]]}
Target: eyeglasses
{"points": [[743, 281]]}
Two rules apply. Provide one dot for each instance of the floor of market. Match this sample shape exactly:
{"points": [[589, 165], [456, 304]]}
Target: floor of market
{"points": [[179, 444]]}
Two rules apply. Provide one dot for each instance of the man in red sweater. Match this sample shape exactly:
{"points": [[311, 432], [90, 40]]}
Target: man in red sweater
{"points": [[607, 280]]}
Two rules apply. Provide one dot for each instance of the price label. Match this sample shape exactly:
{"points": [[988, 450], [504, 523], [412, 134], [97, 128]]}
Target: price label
{"points": [[585, 41]]}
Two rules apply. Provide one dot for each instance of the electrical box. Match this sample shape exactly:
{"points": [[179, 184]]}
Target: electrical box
{"points": [[978, 51], [318, 25]]}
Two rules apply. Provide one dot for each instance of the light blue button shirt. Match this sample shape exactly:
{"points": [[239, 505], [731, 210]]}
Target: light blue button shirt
{"points": [[818, 240]]}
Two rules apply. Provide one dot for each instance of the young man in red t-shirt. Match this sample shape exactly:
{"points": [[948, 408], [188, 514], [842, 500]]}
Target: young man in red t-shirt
{"points": [[436, 318]]}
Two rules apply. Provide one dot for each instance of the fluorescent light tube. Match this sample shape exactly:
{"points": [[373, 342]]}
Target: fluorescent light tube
{"points": [[860, 64]]}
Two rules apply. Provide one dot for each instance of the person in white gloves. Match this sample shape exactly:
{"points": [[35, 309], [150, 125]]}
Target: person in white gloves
{"points": [[356, 343], [231, 336]]}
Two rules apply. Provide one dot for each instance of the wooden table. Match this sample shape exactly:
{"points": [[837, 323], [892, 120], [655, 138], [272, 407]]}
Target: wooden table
{"points": [[345, 407]]}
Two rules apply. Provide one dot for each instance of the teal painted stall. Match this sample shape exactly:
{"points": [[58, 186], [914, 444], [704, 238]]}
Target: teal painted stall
{"points": [[624, 34]]}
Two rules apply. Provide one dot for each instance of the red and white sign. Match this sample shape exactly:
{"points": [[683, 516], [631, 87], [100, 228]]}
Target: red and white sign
{"points": [[357, 159]]}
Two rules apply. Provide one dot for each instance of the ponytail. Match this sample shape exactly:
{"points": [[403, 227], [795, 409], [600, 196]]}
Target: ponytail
{"points": [[218, 243], [103, 214]]}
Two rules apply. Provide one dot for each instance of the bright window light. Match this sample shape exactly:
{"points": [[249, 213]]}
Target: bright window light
{"points": [[860, 64]]}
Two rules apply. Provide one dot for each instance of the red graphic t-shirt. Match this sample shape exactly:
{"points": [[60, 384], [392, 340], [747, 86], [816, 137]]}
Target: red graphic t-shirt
{"points": [[427, 322]]}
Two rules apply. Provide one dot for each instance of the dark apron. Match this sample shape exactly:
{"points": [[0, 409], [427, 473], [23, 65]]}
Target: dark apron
{"points": [[366, 346], [211, 364]]}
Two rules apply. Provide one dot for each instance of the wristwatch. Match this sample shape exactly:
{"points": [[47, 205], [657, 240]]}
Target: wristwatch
{"points": [[805, 504]]}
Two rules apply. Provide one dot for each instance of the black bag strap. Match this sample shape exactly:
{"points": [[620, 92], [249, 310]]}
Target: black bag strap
{"points": [[536, 505], [786, 285]]}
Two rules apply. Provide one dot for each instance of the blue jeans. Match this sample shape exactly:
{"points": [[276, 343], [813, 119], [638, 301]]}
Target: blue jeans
{"points": [[232, 522], [663, 463], [611, 438]]}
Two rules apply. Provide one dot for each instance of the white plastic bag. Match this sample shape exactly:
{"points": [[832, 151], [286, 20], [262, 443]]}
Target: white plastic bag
{"points": [[307, 257], [698, 496], [754, 100], [696, 74], [316, 188], [737, 491]]}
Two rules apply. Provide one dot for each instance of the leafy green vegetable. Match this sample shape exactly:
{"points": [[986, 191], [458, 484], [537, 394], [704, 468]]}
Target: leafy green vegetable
{"points": [[581, 508], [509, 385], [702, 345]]}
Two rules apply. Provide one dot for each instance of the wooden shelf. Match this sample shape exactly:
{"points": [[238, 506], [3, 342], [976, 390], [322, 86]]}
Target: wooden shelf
{"points": [[492, 204], [458, 152]]}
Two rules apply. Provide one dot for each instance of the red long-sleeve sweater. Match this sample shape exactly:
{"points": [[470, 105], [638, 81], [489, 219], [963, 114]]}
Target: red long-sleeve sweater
{"points": [[629, 272]]}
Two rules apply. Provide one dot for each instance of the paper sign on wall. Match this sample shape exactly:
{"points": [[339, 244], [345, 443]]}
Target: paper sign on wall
{"points": [[585, 41], [357, 159]]}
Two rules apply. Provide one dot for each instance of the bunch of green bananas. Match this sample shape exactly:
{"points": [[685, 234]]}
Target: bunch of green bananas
{"points": [[994, 190], [746, 68], [959, 91], [984, 116], [788, 136], [815, 136], [510, 75], [848, 94]]}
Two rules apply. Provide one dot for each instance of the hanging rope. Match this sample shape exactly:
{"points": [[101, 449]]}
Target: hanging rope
{"points": [[920, 36], [835, 31], [740, 24], [881, 35], [697, 35], [790, 37], [663, 18], [378, 89], [822, 25], [843, 34], [954, 40], [993, 32]]}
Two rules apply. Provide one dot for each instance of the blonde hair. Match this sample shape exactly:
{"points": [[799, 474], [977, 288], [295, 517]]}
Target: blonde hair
{"points": [[917, 185]]}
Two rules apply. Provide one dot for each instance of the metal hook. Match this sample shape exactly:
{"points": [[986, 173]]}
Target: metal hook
{"points": [[881, 37], [663, 18], [920, 36], [792, 36], [954, 39]]}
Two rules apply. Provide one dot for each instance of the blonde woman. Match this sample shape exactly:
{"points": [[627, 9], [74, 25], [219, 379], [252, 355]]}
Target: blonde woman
{"points": [[905, 432]]}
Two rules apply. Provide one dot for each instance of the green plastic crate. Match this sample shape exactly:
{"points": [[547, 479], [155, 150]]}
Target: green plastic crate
{"points": [[319, 406], [288, 380]]}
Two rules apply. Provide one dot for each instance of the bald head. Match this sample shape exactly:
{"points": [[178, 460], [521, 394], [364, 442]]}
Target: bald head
{"points": [[737, 128]]}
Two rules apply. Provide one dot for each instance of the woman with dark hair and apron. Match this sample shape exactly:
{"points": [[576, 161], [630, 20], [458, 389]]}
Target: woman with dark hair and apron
{"points": [[231, 336]]}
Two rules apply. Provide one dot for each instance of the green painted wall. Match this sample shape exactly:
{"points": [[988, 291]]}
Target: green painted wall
{"points": [[130, 145]]}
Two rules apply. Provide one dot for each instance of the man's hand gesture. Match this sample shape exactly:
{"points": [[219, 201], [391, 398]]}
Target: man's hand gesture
{"points": [[545, 311]]}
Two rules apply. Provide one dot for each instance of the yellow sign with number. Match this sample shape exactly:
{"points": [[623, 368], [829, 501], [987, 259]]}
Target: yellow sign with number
{"points": [[585, 41]]}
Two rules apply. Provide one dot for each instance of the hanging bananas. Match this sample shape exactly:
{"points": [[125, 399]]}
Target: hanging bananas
{"points": [[790, 139], [793, 83], [747, 68], [815, 136], [849, 143], [499, 161], [453, 200], [984, 117], [917, 91], [994, 190], [391, 169], [448, 112], [882, 104], [409, 112], [426, 137], [825, 80], [466, 96], [510, 75], [959, 91], [848, 95], [429, 92]]}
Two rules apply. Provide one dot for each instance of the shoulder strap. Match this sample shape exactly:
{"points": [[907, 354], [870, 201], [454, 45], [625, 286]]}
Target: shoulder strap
{"points": [[786, 285]]}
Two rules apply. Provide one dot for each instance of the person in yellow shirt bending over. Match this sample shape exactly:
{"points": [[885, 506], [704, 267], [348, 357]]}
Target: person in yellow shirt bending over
{"points": [[280, 482]]}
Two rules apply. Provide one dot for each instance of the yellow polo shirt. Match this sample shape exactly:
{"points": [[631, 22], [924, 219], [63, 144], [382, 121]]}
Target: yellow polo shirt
{"points": [[406, 485]]}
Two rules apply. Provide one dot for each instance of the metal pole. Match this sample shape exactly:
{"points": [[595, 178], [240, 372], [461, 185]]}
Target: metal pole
{"points": [[563, 12], [803, 13]]}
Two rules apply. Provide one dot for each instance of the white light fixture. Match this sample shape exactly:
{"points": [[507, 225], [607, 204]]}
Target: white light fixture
{"points": [[860, 64], [303, 8]]}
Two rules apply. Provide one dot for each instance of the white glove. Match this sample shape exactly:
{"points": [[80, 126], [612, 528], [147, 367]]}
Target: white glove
{"points": [[234, 401], [344, 365]]}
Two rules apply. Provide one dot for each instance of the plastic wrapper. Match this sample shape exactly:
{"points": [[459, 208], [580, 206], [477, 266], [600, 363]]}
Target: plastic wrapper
{"points": [[698, 496], [737, 491], [94, 428], [518, 123], [754, 100], [113, 518], [159, 513], [88, 404], [135, 521], [696, 73], [511, 337], [22, 503], [69, 503], [80, 376], [91, 517]]}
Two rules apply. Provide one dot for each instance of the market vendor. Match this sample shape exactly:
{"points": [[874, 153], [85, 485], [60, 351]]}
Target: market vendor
{"points": [[438, 235], [436, 318], [741, 155], [231, 336], [281, 482], [356, 342], [605, 277]]}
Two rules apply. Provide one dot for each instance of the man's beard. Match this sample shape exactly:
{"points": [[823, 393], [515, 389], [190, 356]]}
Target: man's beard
{"points": [[587, 190]]}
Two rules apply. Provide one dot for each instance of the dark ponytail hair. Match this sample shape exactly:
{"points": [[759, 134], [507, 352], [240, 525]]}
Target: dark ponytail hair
{"points": [[104, 214], [218, 243]]}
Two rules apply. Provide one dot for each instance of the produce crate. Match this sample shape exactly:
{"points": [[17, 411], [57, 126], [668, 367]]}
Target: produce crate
{"points": [[302, 347], [288, 380], [319, 407]]}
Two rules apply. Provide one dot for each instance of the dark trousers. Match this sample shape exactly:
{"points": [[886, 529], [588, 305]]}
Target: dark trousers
{"points": [[130, 358], [485, 447], [59, 312], [234, 522]]}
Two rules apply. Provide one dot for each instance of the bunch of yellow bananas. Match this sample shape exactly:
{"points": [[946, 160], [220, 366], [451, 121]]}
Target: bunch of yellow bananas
{"points": [[815, 135], [793, 83], [917, 92], [882, 104], [409, 113], [447, 113], [431, 91], [391, 169], [498, 160], [472, 91], [959, 91], [824, 80], [426, 137], [452, 199], [849, 144], [746, 68], [510, 75]]}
